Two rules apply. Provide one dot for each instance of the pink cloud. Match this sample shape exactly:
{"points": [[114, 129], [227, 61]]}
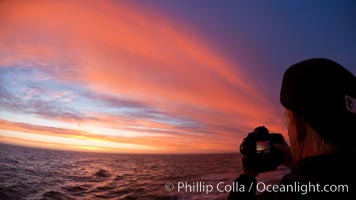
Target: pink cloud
{"points": [[124, 50]]}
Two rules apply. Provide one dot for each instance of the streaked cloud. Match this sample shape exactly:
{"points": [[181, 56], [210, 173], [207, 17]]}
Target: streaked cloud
{"points": [[112, 69]]}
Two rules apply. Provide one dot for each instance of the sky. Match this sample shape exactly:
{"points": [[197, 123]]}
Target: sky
{"points": [[157, 76]]}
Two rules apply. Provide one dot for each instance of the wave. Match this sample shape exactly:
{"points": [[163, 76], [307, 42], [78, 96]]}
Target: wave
{"points": [[102, 173], [118, 177], [55, 195], [75, 189], [9, 194]]}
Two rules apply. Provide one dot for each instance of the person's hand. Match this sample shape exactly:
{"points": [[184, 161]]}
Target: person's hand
{"points": [[248, 167], [288, 159]]}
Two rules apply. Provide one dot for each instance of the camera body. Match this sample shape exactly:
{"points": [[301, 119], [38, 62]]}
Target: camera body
{"points": [[258, 149]]}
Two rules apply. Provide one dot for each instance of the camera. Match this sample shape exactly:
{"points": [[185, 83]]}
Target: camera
{"points": [[259, 152]]}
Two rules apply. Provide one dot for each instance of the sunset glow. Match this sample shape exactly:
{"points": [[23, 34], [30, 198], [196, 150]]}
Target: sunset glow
{"points": [[118, 77]]}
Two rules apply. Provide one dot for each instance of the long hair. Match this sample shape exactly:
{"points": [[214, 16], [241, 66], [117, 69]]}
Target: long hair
{"points": [[304, 140]]}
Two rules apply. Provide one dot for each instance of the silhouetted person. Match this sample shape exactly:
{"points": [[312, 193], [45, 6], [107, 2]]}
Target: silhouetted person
{"points": [[319, 96]]}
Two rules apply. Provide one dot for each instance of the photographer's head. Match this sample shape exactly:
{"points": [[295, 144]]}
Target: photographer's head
{"points": [[320, 98]]}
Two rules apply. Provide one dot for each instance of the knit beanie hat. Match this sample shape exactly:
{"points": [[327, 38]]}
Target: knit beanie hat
{"points": [[324, 93]]}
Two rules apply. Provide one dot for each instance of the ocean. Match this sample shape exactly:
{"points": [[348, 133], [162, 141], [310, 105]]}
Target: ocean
{"points": [[31, 173]]}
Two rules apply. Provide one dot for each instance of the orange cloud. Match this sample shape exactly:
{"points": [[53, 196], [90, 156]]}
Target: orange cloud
{"points": [[122, 49]]}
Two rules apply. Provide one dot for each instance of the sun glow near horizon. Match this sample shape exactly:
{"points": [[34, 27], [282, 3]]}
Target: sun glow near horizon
{"points": [[115, 77]]}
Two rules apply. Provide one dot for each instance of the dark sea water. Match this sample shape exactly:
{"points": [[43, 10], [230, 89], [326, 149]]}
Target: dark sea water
{"points": [[30, 173]]}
